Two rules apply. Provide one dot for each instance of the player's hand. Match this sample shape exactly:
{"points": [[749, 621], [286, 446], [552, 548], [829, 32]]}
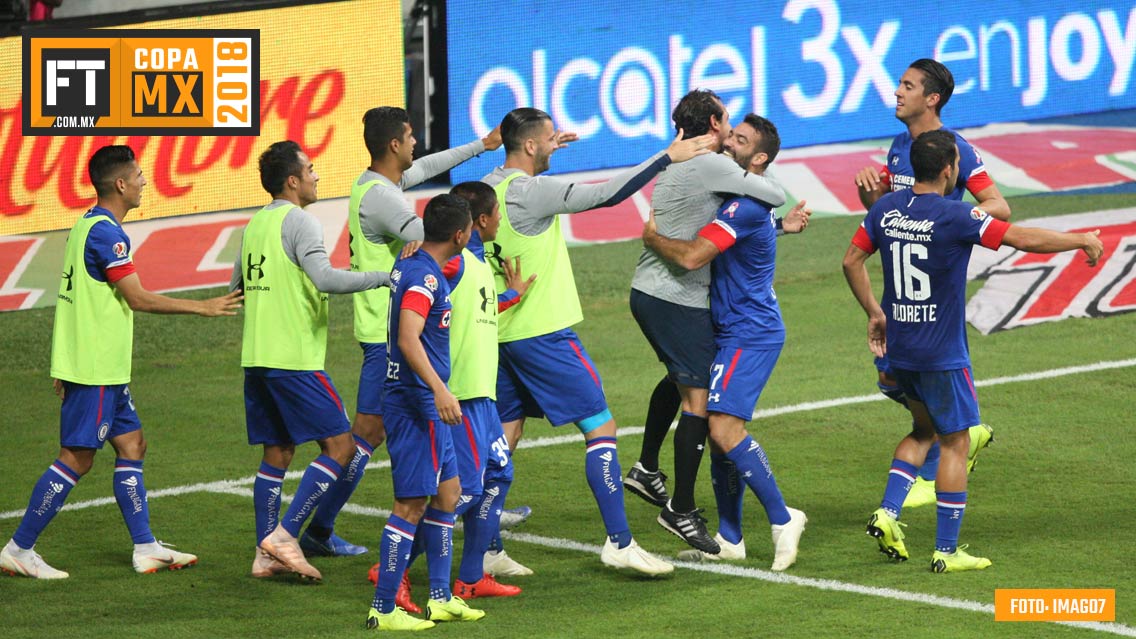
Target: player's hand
{"points": [[411, 247], [514, 279], [1093, 247], [448, 407], [492, 141], [877, 334], [682, 150], [870, 180], [564, 137], [57, 386], [797, 219], [224, 305], [649, 229]]}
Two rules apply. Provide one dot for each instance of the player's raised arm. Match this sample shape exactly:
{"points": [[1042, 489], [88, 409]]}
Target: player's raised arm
{"points": [[1034, 240]]}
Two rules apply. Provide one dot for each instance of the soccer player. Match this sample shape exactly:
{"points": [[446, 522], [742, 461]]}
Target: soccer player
{"points": [[545, 371], [289, 399], [740, 245], [480, 445], [416, 410], [923, 91], [670, 306], [90, 363], [920, 323], [380, 222]]}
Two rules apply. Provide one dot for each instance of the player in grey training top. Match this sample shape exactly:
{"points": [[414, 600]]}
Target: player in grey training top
{"points": [[381, 221], [671, 306]]}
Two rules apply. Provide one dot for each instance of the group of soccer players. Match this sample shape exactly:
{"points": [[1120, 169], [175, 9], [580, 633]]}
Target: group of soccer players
{"points": [[464, 348]]}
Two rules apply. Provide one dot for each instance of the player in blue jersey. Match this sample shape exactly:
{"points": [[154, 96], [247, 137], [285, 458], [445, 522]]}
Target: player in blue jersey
{"points": [[417, 407], [91, 367], [920, 323], [923, 91], [740, 245]]}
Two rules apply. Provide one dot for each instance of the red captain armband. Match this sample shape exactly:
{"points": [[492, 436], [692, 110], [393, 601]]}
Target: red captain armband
{"points": [[861, 241], [720, 235], [417, 302], [978, 183], [116, 273], [993, 233]]}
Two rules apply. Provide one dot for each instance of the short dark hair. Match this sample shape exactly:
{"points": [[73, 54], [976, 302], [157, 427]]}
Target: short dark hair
{"points": [[106, 166], [277, 164], [770, 143], [380, 126], [937, 78], [480, 196], [445, 214], [693, 112], [930, 152], [518, 125]]}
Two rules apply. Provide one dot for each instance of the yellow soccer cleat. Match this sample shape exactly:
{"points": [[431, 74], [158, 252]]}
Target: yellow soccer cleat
{"points": [[397, 619], [957, 561], [980, 437], [456, 609], [922, 493], [888, 534]]}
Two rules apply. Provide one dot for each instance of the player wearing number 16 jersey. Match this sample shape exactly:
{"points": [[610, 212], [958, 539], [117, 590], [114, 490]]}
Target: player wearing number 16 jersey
{"points": [[926, 241]]}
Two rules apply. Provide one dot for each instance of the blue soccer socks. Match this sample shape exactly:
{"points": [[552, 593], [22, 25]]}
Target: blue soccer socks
{"points": [[753, 465], [394, 555], [729, 495], [482, 522], [318, 478], [951, 507], [900, 479], [47, 498], [323, 522], [266, 492], [130, 493], [437, 528], [605, 477]]}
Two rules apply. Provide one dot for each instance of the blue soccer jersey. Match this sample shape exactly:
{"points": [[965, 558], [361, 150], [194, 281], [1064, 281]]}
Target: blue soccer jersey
{"points": [[419, 286], [925, 242], [107, 253], [742, 301], [972, 172]]}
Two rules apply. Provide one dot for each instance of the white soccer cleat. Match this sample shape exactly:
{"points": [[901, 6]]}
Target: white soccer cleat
{"points": [[285, 548], [513, 517], [500, 564], [730, 552], [150, 558], [27, 563], [634, 557], [263, 565], [786, 538]]}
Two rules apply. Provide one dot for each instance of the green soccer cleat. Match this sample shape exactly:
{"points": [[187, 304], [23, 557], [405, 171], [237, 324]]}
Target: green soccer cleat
{"points": [[888, 534], [980, 437], [397, 619], [922, 493], [455, 609], [957, 561]]}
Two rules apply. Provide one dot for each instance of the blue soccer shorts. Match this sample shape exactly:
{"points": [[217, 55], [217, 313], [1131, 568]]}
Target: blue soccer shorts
{"points": [[548, 376], [421, 450], [471, 442], [949, 396], [93, 414], [292, 408], [372, 379], [737, 378]]}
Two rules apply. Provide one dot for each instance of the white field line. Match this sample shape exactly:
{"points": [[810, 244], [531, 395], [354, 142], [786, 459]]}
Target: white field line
{"points": [[540, 442], [238, 487], [732, 570]]}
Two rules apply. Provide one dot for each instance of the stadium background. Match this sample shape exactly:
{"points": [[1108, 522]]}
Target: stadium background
{"points": [[1046, 91]]}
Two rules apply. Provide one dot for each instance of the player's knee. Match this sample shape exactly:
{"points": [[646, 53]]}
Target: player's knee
{"points": [[279, 456], [411, 509], [369, 427], [601, 424], [79, 460]]}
